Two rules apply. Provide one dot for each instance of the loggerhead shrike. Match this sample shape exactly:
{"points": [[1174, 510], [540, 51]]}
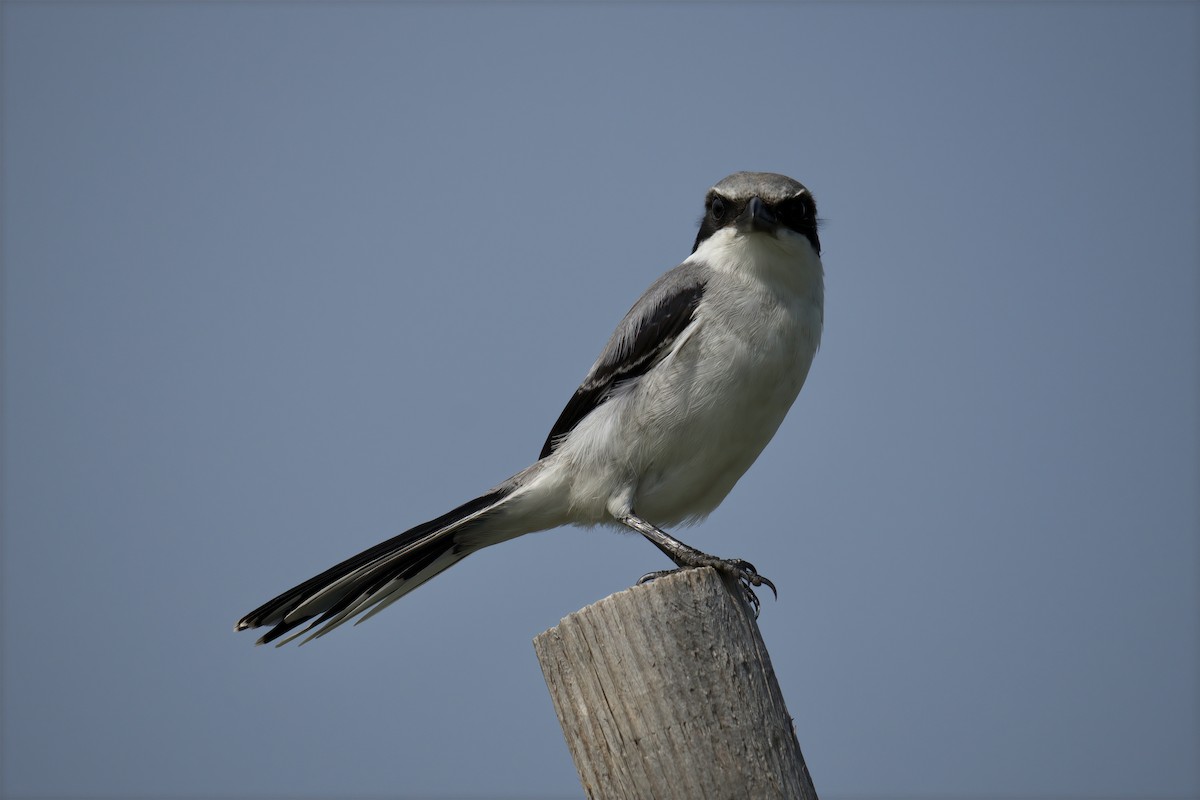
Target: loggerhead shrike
{"points": [[688, 391]]}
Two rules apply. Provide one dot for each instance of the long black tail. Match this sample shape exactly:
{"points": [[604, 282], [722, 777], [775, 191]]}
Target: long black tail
{"points": [[376, 577]]}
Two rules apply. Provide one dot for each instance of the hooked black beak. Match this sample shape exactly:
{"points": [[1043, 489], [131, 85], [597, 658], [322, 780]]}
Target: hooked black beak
{"points": [[758, 216]]}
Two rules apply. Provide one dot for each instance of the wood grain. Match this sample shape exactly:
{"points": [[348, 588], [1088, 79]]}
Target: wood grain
{"points": [[665, 691]]}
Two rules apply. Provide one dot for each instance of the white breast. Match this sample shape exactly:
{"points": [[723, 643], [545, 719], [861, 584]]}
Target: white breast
{"points": [[673, 444]]}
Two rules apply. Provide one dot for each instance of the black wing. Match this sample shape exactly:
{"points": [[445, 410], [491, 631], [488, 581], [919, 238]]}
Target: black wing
{"points": [[642, 339]]}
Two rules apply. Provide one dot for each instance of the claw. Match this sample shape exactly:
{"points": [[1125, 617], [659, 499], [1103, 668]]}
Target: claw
{"points": [[745, 573], [684, 556], [750, 574], [653, 576], [748, 577], [753, 598]]}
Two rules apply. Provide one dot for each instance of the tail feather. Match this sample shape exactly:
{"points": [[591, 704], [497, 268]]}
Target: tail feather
{"points": [[375, 577], [381, 591], [384, 593]]}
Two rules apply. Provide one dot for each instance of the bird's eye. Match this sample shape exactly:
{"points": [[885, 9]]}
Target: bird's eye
{"points": [[794, 212], [717, 209]]}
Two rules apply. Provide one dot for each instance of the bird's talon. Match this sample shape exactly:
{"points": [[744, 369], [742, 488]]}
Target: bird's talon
{"points": [[743, 571], [753, 598], [651, 576]]}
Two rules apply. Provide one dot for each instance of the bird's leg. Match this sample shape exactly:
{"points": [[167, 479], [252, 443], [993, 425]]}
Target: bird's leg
{"points": [[687, 557]]}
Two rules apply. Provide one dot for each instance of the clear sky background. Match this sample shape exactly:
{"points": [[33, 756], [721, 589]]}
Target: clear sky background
{"points": [[283, 279]]}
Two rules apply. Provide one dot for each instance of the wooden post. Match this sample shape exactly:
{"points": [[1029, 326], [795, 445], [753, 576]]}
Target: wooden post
{"points": [[665, 692]]}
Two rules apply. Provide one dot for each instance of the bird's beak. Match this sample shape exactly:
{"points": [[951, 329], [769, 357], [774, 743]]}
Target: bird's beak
{"points": [[757, 217]]}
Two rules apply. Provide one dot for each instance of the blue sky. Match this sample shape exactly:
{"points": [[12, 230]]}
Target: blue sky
{"points": [[283, 279]]}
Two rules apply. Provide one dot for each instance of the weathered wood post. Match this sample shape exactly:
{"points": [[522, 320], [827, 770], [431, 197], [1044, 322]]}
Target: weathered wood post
{"points": [[665, 692]]}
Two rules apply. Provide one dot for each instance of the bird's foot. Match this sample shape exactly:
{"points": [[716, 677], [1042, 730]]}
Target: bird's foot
{"points": [[685, 557], [743, 572]]}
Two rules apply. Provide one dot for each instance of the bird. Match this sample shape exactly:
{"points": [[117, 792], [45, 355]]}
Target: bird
{"points": [[689, 389]]}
